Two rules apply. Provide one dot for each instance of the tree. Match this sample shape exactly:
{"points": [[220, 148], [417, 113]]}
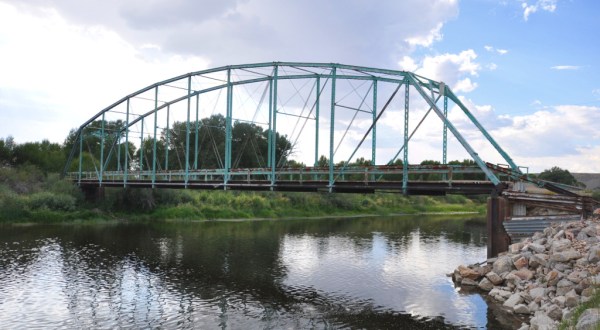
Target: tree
{"points": [[558, 175]]}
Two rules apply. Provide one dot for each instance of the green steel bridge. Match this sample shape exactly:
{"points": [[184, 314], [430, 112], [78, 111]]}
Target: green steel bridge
{"points": [[352, 125]]}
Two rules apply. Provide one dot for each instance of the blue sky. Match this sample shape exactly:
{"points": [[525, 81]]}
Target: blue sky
{"points": [[528, 68]]}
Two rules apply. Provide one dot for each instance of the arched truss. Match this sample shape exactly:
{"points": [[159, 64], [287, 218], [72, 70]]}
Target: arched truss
{"points": [[299, 100]]}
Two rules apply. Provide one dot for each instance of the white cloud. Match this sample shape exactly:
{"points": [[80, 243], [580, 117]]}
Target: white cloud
{"points": [[427, 39], [455, 70], [566, 67], [58, 74], [562, 135], [492, 66], [491, 49], [545, 5]]}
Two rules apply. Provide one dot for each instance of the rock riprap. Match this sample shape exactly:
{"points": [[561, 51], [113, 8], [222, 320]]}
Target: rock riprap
{"points": [[544, 276]]}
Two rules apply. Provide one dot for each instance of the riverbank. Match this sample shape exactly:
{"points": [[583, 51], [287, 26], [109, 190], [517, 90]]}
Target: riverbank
{"points": [[27, 195], [549, 279]]}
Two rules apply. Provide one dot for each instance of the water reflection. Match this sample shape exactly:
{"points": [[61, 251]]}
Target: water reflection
{"points": [[376, 273]]}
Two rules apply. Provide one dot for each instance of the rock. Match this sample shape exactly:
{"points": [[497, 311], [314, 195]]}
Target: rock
{"points": [[592, 240], [559, 301], [521, 263], [533, 306], [594, 254], [590, 231], [515, 248], [521, 309], [588, 319], [536, 248], [494, 278], [483, 270], [560, 245], [561, 267], [536, 293], [587, 292], [466, 272], [513, 300], [524, 326], [565, 256], [468, 282], [486, 284], [563, 286], [552, 277], [538, 259], [576, 276], [571, 299], [500, 293], [559, 235], [541, 321], [524, 274], [502, 264], [513, 279], [554, 312]]}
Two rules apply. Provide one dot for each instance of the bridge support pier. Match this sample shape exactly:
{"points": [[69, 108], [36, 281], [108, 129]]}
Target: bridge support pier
{"points": [[497, 212], [92, 193]]}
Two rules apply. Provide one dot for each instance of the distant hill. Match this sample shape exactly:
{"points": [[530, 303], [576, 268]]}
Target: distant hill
{"points": [[591, 180]]}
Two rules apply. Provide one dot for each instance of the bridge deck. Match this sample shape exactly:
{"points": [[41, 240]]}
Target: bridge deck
{"points": [[413, 187]]}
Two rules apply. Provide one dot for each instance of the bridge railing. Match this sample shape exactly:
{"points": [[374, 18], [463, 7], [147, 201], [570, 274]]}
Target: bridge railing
{"points": [[445, 173]]}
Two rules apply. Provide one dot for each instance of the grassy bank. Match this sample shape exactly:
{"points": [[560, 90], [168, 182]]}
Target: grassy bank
{"points": [[28, 195], [571, 322]]}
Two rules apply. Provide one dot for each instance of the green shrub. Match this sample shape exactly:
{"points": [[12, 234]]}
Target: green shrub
{"points": [[596, 194], [51, 201], [12, 207]]}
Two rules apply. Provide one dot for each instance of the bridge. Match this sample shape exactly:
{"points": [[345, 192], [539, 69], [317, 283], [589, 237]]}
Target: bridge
{"points": [[305, 127]]}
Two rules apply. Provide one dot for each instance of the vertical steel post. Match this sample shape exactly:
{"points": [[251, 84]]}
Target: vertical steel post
{"points": [[374, 132], [102, 151], [197, 132], [270, 122], [142, 149], [80, 155], [187, 133], [154, 144], [405, 164], [119, 153], [274, 130], [332, 127], [167, 137], [228, 130], [126, 146], [317, 108], [445, 133]]}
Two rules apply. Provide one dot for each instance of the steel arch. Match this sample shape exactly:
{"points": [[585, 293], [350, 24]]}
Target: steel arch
{"points": [[226, 78]]}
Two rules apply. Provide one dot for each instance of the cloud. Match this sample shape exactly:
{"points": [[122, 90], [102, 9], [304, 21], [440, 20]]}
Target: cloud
{"points": [[242, 31], [491, 49], [545, 5], [561, 135], [492, 66], [58, 74], [455, 70], [566, 67]]}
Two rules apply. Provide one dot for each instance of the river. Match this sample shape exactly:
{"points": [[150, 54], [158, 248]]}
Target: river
{"points": [[379, 273]]}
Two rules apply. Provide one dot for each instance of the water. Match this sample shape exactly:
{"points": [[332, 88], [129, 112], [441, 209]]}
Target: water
{"points": [[288, 274]]}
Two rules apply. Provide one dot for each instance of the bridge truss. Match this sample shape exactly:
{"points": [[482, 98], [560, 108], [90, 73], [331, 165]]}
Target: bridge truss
{"points": [[352, 125]]}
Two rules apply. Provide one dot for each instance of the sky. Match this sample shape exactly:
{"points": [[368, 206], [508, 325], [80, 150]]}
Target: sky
{"points": [[528, 69]]}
